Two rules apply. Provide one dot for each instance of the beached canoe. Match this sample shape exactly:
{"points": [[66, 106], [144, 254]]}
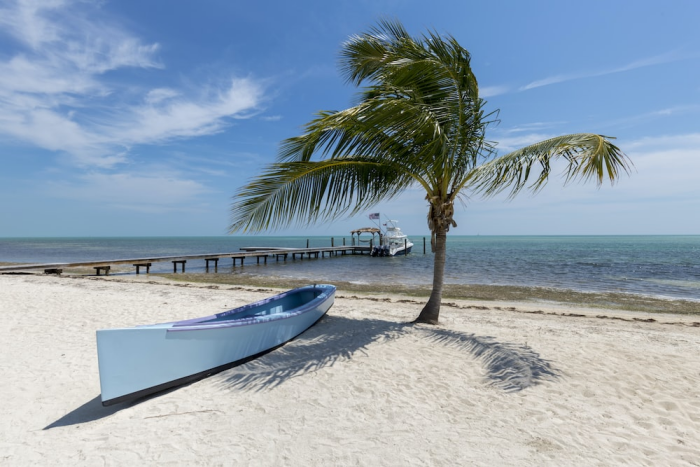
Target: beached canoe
{"points": [[134, 362]]}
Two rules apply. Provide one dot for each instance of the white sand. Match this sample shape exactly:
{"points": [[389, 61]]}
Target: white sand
{"points": [[486, 387]]}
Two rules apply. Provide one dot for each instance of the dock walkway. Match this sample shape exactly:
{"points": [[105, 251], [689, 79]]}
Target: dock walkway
{"points": [[246, 252]]}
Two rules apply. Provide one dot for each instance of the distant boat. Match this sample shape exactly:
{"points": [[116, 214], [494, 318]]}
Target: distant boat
{"points": [[135, 362]]}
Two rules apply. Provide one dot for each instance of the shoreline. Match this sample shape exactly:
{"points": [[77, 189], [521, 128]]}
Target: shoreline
{"points": [[604, 300], [500, 304]]}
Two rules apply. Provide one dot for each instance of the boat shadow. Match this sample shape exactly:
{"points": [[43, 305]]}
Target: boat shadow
{"points": [[94, 410], [508, 366], [88, 412]]}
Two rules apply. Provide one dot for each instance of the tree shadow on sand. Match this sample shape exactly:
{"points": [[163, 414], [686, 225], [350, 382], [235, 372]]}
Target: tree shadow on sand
{"points": [[510, 367]]}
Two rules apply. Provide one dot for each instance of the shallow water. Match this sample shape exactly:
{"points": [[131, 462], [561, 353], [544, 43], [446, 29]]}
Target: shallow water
{"points": [[658, 266]]}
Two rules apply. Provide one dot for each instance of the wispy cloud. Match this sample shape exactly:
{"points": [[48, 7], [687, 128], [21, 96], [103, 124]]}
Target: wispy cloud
{"points": [[511, 143], [687, 142], [653, 115], [158, 95], [272, 118], [532, 126], [650, 61], [133, 191], [53, 93], [175, 117], [510, 139], [232, 160], [489, 91]]}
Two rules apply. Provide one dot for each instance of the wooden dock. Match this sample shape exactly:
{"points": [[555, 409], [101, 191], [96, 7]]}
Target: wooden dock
{"points": [[246, 252]]}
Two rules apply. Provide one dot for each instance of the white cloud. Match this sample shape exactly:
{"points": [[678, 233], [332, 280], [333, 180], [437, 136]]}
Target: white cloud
{"points": [[272, 118], [64, 28], [50, 130], [177, 118], [53, 94], [47, 76], [25, 20]]}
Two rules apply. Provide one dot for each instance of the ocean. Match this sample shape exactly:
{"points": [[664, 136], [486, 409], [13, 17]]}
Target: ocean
{"points": [[655, 266]]}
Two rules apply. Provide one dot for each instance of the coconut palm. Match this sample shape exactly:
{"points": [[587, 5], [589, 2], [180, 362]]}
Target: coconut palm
{"points": [[418, 122]]}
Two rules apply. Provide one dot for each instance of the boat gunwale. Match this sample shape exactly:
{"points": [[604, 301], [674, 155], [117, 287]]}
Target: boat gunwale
{"points": [[195, 324]]}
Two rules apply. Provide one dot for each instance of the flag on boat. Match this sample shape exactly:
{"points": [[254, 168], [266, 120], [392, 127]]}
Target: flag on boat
{"points": [[374, 216]]}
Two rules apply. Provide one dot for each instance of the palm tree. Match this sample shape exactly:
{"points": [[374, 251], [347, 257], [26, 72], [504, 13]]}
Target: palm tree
{"points": [[418, 122]]}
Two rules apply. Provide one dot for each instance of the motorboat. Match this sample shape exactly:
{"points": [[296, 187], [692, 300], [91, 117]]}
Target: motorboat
{"points": [[392, 241]]}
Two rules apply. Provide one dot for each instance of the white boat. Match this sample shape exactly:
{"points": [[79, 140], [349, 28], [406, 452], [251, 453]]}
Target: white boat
{"points": [[134, 362], [393, 241]]}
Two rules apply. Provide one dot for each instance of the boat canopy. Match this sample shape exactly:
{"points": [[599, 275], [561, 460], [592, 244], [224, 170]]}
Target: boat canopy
{"points": [[372, 230]]}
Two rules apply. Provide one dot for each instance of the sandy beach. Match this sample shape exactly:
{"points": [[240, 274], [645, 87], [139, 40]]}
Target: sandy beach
{"points": [[496, 383]]}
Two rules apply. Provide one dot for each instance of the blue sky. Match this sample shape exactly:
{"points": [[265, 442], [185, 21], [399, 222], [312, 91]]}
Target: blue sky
{"points": [[132, 118]]}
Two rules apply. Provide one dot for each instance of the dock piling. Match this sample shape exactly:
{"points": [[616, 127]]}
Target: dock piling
{"points": [[216, 264], [102, 268], [143, 265], [181, 262]]}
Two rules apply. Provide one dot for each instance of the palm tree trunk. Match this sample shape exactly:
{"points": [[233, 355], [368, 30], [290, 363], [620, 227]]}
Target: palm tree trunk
{"points": [[431, 310]]}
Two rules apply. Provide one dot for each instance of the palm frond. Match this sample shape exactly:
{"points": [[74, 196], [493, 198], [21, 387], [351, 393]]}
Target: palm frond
{"points": [[389, 130], [400, 130], [363, 56], [589, 156], [309, 191], [434, 68]]}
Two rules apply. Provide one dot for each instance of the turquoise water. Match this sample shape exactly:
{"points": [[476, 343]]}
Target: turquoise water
{"points": [[660, 266]]}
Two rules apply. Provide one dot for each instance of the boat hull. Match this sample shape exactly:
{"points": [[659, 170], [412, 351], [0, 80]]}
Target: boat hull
{"points": [[135, 362], [388, 251], [401, 251]]}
